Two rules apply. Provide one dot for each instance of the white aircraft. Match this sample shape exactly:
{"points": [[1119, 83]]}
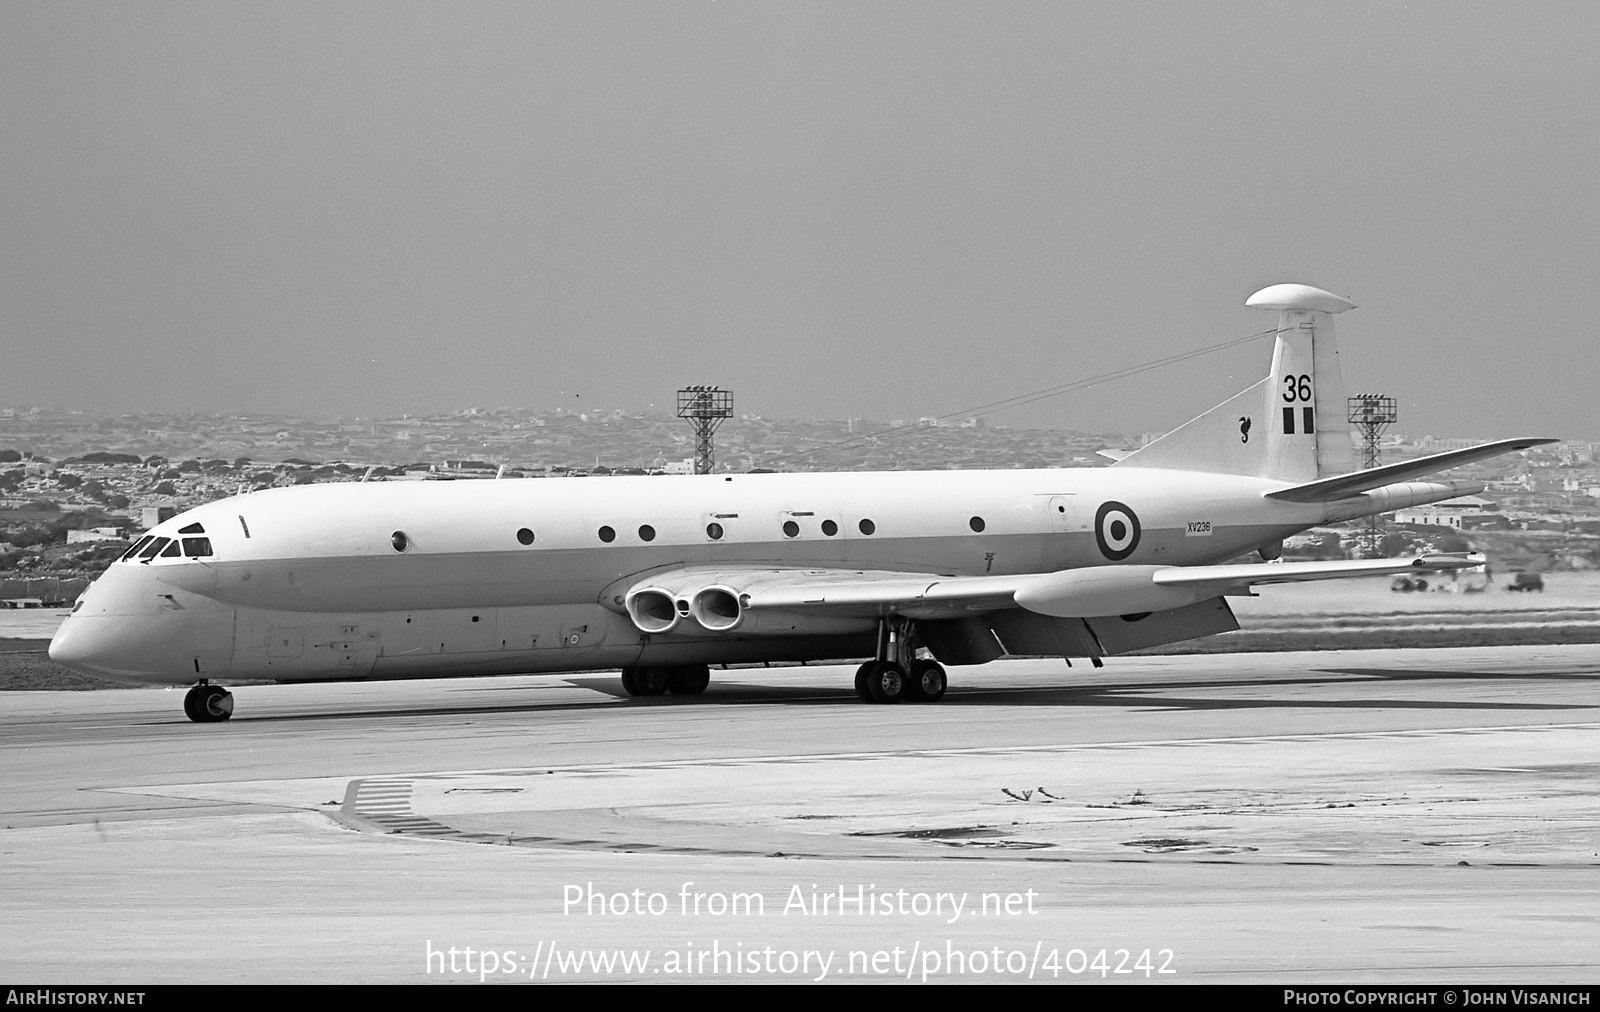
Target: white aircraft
{"points": [[664, 576]]}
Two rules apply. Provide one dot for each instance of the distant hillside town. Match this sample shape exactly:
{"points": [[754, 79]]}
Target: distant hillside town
{"points": [[75, 486]]}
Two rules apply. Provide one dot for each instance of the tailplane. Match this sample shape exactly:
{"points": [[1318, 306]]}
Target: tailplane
{"points": [[1290, 426]]}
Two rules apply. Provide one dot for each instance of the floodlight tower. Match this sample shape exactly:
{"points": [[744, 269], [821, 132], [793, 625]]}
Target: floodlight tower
{"points": [[1371, 414], [706, 408]]}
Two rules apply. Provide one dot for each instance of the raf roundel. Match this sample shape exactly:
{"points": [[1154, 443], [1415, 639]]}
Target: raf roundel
{"points": [[1116, 531]]}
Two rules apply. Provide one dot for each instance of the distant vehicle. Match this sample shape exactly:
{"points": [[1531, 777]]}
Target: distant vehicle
{"points": [[1407, 584], [1526, 581]]}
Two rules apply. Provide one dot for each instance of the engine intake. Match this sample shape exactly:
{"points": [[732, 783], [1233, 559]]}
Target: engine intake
{"points": [[717, 608], [653, 610]]}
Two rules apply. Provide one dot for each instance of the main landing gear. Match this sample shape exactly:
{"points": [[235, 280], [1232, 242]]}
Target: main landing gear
{"points": [[208, 704], [897, 673], [683, 680]]}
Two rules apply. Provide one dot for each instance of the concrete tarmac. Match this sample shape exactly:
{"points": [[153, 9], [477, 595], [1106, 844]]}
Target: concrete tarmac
{"points": [[1350, 817]]}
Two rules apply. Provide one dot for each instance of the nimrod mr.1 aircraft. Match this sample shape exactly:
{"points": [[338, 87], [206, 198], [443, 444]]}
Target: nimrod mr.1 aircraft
{"points": [[664, 576]]}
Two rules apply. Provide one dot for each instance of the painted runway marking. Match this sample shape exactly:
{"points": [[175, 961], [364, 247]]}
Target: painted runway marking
{"points": [[1004, 750], [385, 803]]}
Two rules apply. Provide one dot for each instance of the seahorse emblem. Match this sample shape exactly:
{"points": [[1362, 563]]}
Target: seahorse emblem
{"points": [[1244, 430]]}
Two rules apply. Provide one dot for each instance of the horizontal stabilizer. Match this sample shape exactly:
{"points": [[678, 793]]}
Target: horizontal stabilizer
{"points": [[1345, 486]]}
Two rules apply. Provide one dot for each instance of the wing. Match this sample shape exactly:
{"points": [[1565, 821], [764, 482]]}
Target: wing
{"points": [[721, 600]]}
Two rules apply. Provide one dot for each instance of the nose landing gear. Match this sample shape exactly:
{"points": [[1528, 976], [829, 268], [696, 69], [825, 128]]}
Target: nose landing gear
{"points": [[208, 704]]}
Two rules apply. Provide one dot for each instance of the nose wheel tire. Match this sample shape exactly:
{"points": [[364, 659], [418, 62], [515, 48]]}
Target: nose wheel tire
{"points": [[927, 682], [208, 704]]}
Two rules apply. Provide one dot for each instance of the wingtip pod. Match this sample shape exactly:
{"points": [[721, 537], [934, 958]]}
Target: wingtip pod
{"points": [[1303, 297]]}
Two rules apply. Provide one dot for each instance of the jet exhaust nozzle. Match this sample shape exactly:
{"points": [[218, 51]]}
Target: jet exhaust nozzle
{"points": [[717, 608]]}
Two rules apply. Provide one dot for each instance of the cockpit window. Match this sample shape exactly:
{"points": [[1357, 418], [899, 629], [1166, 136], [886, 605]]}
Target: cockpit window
{"points": [[130, 553], [171, 551], [193, 528], [155, 546], [197, 548]]}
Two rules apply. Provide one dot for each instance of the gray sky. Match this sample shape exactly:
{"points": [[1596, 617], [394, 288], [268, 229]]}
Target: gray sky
{"points": [[888, 210]]}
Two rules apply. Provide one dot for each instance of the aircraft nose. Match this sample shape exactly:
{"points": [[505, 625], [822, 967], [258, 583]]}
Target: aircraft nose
{"points": [[129, 627], [85, 645]]}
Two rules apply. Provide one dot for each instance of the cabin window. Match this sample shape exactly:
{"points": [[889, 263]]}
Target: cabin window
{"points": [[830, 528], [155, 546], [646, 532], [607, 535], [197, 548], [791, 529], [525, 536], [714, 531], [399, 540], [977, 525], [867, 527], [130, 553]]}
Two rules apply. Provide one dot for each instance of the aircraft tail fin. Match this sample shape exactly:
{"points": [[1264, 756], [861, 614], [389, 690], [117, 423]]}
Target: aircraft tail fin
{"points": [[1292, 425]]}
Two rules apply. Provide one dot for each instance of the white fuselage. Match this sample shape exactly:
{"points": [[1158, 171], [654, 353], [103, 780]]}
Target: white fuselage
{"points": [[307, 583]]}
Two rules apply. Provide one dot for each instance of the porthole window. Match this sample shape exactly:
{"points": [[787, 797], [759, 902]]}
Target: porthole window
{"points": [[867, 527], [607, 535], [525, 536], [830, 528], [714, 532], [791, 529], [399, 540], [646, 532], [977, 525]]}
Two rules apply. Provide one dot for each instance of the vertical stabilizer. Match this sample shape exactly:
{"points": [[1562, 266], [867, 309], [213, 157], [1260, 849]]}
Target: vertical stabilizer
{"points": [[1291, 425], [1310, 436]]}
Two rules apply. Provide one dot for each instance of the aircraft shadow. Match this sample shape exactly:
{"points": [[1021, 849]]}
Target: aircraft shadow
{"points": [[1165, 694]]}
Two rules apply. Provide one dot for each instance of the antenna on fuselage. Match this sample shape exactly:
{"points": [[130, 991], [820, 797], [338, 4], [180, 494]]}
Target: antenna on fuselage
{"points": [[706, 408]]}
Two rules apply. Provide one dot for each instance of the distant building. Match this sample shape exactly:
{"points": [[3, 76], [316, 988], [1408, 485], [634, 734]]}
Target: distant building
{"points": [[98, 534], [1459, 514], [152, 515]]}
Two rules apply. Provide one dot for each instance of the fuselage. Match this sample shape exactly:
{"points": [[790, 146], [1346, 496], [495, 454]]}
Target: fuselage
{"points": [[422, 579]]}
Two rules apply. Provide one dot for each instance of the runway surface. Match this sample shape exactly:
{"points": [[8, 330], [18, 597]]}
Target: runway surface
{"points": [[1291, 817]]}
